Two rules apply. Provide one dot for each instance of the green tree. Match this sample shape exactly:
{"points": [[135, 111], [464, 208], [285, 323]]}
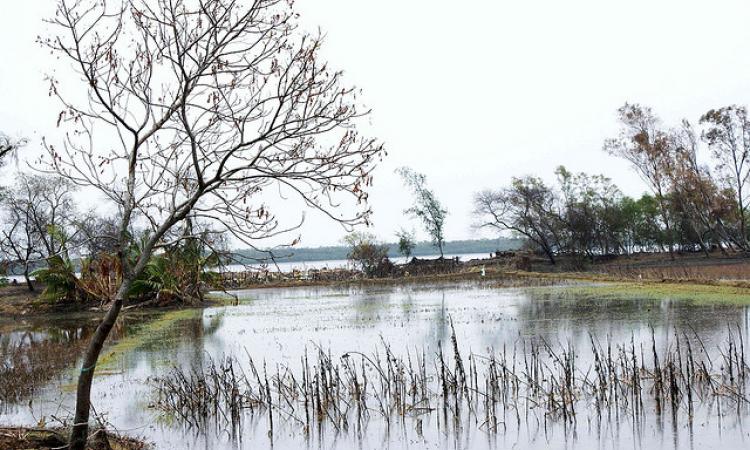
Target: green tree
{"points": [[589, 212], [406, 242], [427, 208]]}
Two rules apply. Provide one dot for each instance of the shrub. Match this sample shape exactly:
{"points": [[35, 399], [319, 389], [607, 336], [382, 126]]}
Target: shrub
{"points": [[179, 274], [367, 254], [59, 278]]}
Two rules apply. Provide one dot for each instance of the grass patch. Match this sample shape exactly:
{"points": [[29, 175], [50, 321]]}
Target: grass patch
{"points": [[695, 293], [148, 333]]}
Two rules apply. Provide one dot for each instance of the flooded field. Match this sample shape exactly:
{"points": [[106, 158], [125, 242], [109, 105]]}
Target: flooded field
{"points": [[446, 366]]}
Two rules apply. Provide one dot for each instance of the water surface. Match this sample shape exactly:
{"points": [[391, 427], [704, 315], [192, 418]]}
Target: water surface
{"points": [[279, 326]]}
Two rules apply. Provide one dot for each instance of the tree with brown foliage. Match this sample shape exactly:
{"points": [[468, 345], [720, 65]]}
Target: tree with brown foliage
{"points": [[366, 252], [647, 147], [727, 133]]}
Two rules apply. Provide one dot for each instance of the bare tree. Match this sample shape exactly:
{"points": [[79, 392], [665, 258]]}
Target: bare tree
{"points": [[37, 213], [728, 135], [201, 108], [19, 242], [96, 235], [427, 207]]}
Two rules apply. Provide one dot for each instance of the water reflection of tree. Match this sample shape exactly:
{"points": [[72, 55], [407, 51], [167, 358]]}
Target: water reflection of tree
{"points": [[560, 315], [183, 341], [199, 330], [33, 356], [406, 302], [438, 330], [372, 304]]}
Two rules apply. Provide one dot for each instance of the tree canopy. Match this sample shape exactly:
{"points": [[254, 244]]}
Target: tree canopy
{"points": [[427, 208]]}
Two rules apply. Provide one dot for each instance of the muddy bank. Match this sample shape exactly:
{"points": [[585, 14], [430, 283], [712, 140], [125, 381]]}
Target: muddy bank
{"points": [[55, 438], [684, 268], [17, 299], [18, 303]]}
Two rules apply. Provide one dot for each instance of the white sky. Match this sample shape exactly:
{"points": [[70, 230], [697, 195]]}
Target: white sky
{"points": [[474, 92]]}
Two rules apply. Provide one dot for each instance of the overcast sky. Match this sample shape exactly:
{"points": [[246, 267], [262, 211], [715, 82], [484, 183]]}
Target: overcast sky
{"points": [[472, 93]]}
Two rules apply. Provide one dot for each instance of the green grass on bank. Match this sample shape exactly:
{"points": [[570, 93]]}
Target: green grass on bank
{"points": [[696, 293], [147, 333]]}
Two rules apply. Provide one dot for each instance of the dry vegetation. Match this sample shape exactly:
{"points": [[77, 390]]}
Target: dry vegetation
{"points": [[497, 390], [48, 439]]}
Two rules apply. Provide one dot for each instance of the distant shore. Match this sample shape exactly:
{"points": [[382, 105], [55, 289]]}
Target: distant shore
{"points": [[721, 275], [687, 276]]}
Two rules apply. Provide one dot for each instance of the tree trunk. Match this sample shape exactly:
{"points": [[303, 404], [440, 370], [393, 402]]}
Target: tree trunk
{"points": [[29, 284], [704, 247], [79, 432], [669, 244], [741, 206], [550, 255]]}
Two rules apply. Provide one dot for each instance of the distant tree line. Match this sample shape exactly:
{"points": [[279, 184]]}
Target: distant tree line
{"points": [[340, 252], [693, 205]]}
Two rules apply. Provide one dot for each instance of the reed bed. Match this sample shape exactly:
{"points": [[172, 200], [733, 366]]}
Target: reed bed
{"points": [[528, 381]]}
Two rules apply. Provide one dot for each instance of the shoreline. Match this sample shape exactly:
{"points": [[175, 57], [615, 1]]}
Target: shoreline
{"points": [[23, 438], [18, 303]]}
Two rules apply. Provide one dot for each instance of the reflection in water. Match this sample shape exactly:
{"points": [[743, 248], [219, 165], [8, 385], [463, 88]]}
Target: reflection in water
{"points": [[278, 326], [31, 356], [547, 386]]}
